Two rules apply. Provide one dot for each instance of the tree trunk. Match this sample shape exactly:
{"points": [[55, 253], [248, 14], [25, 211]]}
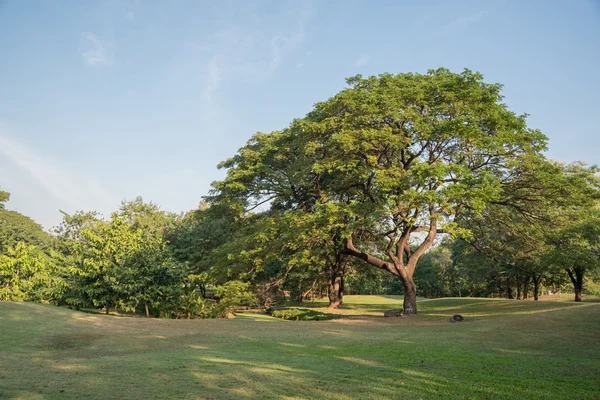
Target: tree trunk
{"points": [[536, 288], [335, 292], [147, 311], [106, 309], [576, 276], [410, 297], [309, 292], [509, 290], [526, 288], [518, 288], [336, 281]]}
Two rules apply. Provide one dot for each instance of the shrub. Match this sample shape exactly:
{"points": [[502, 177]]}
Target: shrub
{"points": [[231, 296], [297, 314]]}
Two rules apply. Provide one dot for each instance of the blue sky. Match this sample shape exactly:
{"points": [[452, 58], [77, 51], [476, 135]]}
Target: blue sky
{"points": [[101, 101]]}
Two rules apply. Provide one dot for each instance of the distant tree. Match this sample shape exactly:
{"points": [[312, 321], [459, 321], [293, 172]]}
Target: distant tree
{"points": [[147, 217], [4, 197], [545, 224], [431, 278], [15, 228]]}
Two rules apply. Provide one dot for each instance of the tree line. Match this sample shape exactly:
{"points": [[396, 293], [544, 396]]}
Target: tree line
{"points": [[420, 184]]}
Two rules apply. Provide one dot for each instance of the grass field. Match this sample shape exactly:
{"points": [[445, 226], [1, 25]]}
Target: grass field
{"points": [[504, 350]]}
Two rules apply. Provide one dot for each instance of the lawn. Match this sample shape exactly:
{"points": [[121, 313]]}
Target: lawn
{"points": [[505, 349]]}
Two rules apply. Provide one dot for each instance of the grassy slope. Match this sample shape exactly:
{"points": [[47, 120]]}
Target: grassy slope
{"points": [[505, 349]]}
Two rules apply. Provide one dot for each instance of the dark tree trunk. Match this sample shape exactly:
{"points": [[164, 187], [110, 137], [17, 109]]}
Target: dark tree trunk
{"points": [[509, 290], [518, 288], [410, 296], [526, 288], [576, 276], [106, 309], [336, 281], [147, 310], [536, 288]]}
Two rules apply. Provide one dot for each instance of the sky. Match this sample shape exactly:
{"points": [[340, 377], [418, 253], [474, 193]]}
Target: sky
{"points": [[102, 101]]}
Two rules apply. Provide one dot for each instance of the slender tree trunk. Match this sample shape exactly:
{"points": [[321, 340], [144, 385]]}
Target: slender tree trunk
{"points": [[518, 288], [106, 309], [576, 276], [526, 288], [410, 297], [509, 290], [536, 288], [336, 281], [305, 295], [147, 310]]}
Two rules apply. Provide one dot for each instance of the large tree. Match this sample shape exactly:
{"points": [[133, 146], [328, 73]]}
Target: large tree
{"points": [[395, 157]]}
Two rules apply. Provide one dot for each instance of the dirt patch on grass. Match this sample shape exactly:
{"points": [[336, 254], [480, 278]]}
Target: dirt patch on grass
{"points": [[68, 342]]}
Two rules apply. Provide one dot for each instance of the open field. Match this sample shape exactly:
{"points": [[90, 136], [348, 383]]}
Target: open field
{"points": [[504, 350]]}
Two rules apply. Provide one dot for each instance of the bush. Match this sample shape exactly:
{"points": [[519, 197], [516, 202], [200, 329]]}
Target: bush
{"points": [[231, 296], [190, 306], [297, 314]]}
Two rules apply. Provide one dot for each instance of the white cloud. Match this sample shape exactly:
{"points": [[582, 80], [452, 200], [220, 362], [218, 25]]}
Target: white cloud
{"points": [[281, 44], [72, 192], [213, 78], [465, 20], [362, 60], [98, 52], [254, 50]]}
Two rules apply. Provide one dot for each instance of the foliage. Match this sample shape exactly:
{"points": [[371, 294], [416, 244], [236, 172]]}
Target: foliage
{"points": [[15, 228], [386, 158], [297, 314], [28, 274], [233, 295], [4, 197]]}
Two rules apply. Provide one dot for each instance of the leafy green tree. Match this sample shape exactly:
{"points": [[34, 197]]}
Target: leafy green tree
{"points": [[27, 274], [575, 246], [149, 277], [15, 228], [544, 225], [393, 157], [97, 255], [147, 217], [4, 197], [232, 295]]}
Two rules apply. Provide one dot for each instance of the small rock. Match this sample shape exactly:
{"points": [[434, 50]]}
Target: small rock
{"points": [[457, 318], [393, 313]]}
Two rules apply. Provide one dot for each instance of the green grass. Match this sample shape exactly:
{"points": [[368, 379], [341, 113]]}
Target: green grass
{"points": [[504, 350]]}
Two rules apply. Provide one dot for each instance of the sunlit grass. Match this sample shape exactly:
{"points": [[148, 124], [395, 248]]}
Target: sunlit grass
{"points": [[504, 350]]}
